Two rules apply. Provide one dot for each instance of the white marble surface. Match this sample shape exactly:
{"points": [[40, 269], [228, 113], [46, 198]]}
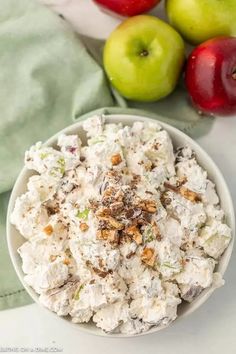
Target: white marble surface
{"points": [[210, 330]]}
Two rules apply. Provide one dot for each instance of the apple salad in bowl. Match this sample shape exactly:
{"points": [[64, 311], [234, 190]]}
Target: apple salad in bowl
{"points": [[121, 230]]}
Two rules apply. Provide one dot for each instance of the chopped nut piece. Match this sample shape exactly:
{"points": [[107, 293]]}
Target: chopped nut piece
{"points": [[101, 262], [129, 213], [113, 175], [184, 192], [100, 272], [52, 210], [116, 159], [109, 197], [93, 204], [119, 196], [143, 218], [148, 166], [136, 179], [190, 195], [116, 207], [148, 205], [108, 235], [101, 234], [156, 231], [124, 238], [138, 238], [66, 261], [52, 258], [156, 146], [112, 222], [148, 256], [116, 224], [109, 192], [135, 233], [83, 226], [182, 180], [48, 230], [103, 212]]}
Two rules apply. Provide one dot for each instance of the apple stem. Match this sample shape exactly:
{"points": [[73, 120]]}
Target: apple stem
{"points": [[234, 74], [144, 53]]}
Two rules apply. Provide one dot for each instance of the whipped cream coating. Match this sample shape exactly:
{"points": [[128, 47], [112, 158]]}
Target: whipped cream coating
{"points": [[119, 231]]}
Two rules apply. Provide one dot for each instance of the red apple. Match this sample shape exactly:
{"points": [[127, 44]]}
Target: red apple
{"points": [[128, 7], [211, 76]]}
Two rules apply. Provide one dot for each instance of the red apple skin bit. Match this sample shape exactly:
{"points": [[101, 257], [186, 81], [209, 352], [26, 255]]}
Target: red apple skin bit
{"points": [[128, 7], [210, 76]]}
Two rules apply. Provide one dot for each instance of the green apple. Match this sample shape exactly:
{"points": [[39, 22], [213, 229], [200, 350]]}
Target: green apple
{"points": [[200, 20], [143, 58]]}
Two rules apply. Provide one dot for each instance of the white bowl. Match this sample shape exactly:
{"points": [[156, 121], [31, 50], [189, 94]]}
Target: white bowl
{"points": [[15, 240]]}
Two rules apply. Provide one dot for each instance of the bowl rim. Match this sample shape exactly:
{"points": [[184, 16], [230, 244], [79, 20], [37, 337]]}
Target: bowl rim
{"points": [[109, 119]]}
